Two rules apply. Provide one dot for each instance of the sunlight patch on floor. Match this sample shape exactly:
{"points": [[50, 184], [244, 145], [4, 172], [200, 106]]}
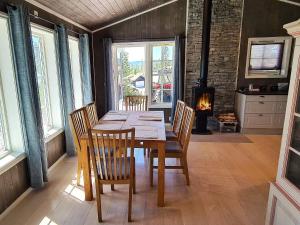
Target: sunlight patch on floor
{"points": [[47, 221], [75, 192]]}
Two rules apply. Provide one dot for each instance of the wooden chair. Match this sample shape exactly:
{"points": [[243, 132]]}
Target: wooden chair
{"points": [[92, 114], [177, 149], [109, 166], [136, 103], [172, 134], [79, 127]]}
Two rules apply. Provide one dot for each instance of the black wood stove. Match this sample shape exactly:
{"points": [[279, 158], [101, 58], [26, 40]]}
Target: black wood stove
{"points": [[203, 103], [203, 96]]}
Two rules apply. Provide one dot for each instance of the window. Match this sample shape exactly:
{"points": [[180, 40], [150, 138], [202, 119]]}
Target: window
{"points": [[268, 57], [43, 42], [39, 54], [76, 71], [4, 145], [162, 73], [11, 137], [144, 68]]}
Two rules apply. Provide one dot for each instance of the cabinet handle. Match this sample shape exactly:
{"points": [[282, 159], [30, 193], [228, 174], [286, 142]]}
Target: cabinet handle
{"points": [[261, 96], [261, 103], [260, 114]]}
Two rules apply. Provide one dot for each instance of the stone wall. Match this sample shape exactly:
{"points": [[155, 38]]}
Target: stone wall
{"points": [[224, 50]]}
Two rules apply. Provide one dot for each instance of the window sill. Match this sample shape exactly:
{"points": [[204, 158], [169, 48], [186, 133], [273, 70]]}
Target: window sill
{"points": [[10, 160], [54, 132]]}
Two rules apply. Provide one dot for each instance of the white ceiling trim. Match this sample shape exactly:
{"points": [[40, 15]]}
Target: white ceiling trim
{"points": [[43, 7], [135, 15], [290, 2]]}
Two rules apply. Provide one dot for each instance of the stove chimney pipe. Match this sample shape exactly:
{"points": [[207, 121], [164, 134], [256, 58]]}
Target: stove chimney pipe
{"points": [[207, 7]]}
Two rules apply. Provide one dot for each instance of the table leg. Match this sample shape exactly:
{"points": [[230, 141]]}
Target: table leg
{"points": [[86, 166], [161, 174]]}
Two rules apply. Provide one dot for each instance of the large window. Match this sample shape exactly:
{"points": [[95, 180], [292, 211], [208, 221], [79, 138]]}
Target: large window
{"points": [[144, 69], [76, 71], [47, 75], [40, 61], [11, 137]]}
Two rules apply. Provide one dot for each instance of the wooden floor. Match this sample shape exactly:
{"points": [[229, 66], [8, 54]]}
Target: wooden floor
{"points": [[229, 186]]}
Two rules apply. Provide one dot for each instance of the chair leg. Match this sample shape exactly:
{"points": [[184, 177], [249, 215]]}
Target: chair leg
{"points": [[144, 151], [186, 172], [99, 203], [151, 170], [182, 164], [112, 187], [101, 188], [148, 152], [78, 169], [134, 180], [130, 200]]}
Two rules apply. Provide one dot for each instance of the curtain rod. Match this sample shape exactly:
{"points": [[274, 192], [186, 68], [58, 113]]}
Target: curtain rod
{"points": [[48, 21], [145, 39]]}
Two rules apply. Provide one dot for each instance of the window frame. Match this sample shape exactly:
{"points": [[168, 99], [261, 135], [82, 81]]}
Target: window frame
{"points": [[3, 120], [46, 80], [10, 103], [148, 69], [283, 72], [54, 92], [72, 38]]}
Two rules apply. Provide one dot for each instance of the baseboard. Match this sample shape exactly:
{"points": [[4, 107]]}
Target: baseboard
{"points": [[15, 203], [22, 196]]}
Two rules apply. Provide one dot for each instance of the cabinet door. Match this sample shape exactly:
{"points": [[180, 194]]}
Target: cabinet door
{"points": [[278, 120], [258, 120], [280, 107], [261, 107]]}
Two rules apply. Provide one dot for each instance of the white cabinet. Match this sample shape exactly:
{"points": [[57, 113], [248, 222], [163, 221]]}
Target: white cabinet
{"points": [[257, 112], [284, 196]]}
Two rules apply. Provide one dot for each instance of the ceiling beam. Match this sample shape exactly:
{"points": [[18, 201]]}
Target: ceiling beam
{"points": [[47, 9], [290, 2], [135, 15]]}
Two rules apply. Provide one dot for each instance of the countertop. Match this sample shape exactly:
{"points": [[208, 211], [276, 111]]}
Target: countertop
{"points": [[263, 92]]}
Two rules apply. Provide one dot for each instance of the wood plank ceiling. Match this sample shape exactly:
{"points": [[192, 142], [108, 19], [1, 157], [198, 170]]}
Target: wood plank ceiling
{"points": [[97, 13]]}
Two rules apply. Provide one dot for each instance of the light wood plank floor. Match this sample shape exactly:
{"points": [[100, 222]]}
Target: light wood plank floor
{"points": [[229, 186]]}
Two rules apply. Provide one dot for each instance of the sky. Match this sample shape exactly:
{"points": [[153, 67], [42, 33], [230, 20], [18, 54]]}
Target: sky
{"points": [[138, 53]]}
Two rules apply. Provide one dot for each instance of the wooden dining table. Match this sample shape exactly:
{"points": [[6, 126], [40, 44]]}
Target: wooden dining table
{"points": [[149, 132]]}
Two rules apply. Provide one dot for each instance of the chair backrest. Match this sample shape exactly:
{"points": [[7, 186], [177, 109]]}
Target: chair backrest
{"points": [[186, 127], [178, 116], [136, 103], [92, 114], [79, 126], [105, 147]]}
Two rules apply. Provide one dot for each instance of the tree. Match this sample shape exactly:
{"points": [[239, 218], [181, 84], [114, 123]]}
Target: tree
{"points": [[125, 71]]}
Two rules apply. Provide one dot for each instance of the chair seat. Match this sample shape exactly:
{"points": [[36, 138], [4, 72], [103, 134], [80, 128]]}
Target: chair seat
{"points": [[173, 149], [170, 135], [120, 162]]}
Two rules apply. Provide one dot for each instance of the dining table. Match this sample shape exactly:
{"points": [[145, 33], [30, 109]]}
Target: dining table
{"points": [[149, 132]]}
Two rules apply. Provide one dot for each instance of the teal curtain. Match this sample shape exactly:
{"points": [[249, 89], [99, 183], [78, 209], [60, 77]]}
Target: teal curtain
{"points": [[84, 49], [108, 75], [66, 83], [178, 73], [28, 93]]}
